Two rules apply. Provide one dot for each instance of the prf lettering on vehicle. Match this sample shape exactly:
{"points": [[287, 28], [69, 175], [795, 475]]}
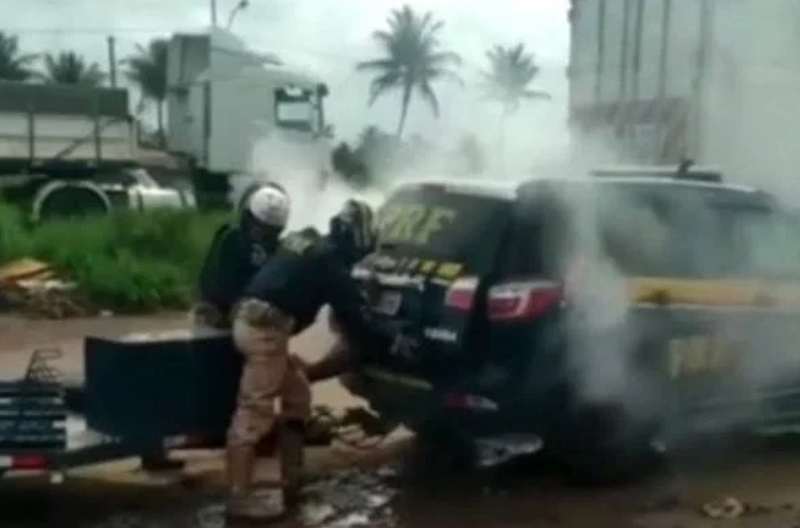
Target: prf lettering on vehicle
{"points": [[414, 223], [702, 354]]}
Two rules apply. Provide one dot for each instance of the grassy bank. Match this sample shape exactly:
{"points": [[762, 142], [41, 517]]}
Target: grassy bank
{"points": [[125, 262]]}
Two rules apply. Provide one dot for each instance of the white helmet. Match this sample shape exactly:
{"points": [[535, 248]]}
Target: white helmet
{"points": [[270, 206]]}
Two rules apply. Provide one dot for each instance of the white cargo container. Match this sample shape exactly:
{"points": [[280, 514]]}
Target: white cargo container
{"points": [[717, 81]]}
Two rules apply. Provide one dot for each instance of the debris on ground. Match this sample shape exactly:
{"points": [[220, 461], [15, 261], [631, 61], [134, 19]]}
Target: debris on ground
{"points": [[32, 286], [499, 450], [727, 508], [349, 499]]}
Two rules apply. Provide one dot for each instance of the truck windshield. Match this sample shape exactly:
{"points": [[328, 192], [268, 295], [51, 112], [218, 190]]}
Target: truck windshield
{"points": [[298, 109]]}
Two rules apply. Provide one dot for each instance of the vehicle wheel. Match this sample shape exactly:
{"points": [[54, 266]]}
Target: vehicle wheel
{"points": [[442, 451], [603, 448], [72, 202]]}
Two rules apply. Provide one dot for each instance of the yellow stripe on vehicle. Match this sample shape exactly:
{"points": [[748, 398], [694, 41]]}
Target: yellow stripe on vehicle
{"points": [[449, 270], [714, 293]]}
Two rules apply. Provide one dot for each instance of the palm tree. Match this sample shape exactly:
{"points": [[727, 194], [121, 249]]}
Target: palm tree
{"points": [[148, 70], [511, 71], [412, 60], [67, 67], [14, 66]]}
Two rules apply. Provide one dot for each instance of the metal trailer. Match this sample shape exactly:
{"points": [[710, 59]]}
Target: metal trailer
{"points": [[72, 149], [137, 397], [659, 81]]}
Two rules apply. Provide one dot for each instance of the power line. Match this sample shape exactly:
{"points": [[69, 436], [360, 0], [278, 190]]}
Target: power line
{"points": [[317, 52], [279, 43]]}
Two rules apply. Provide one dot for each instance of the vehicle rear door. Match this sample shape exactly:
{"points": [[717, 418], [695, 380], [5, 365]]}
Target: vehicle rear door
{"points": [[708, 314], [524, 300], [437, 247]]}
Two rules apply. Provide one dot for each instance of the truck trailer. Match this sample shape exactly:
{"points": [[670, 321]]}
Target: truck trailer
{"points": [[661, 81], [72, 149], [235, 117]]}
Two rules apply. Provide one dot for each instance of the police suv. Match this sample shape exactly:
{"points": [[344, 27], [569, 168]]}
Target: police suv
{"points": [[593, 316]]}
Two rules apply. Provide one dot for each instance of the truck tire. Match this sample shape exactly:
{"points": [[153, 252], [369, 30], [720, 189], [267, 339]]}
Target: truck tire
{"points": [[603, 447], [440, 450], [61, 199]]}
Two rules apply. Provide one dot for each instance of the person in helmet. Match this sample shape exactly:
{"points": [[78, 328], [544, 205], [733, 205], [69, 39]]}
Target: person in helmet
{"points": [[238, 251], [283, 299]]}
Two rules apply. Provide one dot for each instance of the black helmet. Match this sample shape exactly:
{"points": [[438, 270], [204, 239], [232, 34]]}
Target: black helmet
{"points": [[353, 230]]}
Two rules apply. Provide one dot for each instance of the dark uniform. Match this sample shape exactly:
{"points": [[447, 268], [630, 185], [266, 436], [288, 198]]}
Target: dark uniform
{"points": [[237, 251], [231, 262], [283, 299]]}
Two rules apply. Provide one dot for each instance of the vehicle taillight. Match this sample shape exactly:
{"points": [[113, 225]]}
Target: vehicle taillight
{"points": [[469, 402], [461, 294], [523, 301], [29, 462]]}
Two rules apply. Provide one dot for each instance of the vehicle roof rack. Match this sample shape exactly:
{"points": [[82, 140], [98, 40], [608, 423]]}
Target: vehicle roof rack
{"points": [[685, 171]]}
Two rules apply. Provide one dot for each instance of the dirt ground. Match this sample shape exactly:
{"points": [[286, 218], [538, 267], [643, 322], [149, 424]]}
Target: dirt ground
{"points": [[765, 480]]}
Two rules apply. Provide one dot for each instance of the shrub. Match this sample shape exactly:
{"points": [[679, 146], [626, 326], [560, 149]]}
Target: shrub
{"points": [[127, 262]]}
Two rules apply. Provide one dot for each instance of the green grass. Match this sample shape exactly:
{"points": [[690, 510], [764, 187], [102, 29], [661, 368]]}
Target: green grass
{"points": [[124, 262]]}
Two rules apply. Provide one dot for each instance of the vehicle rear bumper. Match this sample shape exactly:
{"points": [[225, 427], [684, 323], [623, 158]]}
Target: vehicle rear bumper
{"points": [[418, 404]]}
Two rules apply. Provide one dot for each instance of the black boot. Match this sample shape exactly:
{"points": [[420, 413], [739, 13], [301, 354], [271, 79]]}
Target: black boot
{"points": [[292, 459]]}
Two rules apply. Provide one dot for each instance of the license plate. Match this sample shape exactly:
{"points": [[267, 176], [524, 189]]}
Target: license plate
{"points": [[389, 303]]}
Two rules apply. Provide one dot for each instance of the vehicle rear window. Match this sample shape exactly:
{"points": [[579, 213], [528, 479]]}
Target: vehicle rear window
{"points": [[442, 225]]}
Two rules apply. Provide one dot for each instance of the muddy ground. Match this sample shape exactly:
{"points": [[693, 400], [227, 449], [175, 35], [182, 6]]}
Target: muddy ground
{"points": [[365, 489]]}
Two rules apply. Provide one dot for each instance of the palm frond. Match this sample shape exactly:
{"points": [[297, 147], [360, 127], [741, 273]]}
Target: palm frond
{"points": [[511, 71], [429, 96]]}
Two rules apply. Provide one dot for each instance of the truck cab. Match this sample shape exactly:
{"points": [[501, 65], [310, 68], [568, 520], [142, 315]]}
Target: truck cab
{"points": [[238, 115]]}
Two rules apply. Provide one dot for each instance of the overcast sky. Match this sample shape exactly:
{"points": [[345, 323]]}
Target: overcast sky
{"points": [[330, 36]]}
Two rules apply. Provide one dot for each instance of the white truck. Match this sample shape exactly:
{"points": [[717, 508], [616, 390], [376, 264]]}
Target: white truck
{"points": [[240, 116], [69, 149], [659, 81]]}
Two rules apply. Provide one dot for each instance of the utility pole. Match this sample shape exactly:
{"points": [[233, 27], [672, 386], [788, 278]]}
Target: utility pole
{"points": [[112, 60], [213, 13]]}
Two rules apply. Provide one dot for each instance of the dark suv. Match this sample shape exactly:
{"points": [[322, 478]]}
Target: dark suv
{"points": [[591, 316]]}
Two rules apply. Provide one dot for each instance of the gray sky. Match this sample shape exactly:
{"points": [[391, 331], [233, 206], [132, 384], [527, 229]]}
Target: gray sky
{"points": [[329, 37]]}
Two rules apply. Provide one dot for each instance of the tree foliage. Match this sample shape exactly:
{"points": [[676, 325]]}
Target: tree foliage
{"points": [[147, 69], [510, 74], [15, 65], [68, 67], [413, 60]]}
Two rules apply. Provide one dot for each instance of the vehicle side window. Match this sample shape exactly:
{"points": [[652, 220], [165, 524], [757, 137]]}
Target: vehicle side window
{"points": [[769, 244], [637, 232], [661, 233]]}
